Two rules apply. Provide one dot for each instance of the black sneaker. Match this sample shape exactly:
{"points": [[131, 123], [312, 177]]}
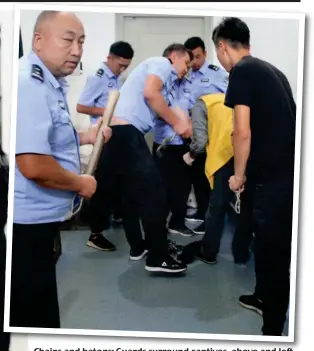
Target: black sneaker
{"points": [[99, 242], [200, 230], [185, 231], [194, 218], [251, 302], [136, 256], [207, 259], [168, 265]]}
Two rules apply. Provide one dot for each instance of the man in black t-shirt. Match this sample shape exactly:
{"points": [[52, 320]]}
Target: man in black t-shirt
{"points": [[264, 143]]}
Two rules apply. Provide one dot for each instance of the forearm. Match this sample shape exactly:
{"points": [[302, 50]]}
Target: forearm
{"points": [[48, 173], [241, 147], [84, 138], [199, 138], [90, 110], [160, 106]]}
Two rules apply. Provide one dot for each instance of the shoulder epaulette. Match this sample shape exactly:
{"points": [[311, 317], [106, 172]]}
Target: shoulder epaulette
{"points": [[37, 73], [100, 72], [213, 67]]}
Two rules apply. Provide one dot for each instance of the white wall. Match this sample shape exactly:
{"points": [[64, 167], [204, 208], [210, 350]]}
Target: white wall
{"points": [[100, 34], [276, 41]]}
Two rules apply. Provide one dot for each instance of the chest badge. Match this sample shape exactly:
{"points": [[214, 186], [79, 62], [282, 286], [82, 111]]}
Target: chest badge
{"points": [[62, 104], [205, 80]]}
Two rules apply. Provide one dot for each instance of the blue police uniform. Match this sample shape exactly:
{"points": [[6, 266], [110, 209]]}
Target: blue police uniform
{"points": [[209, 79], [131, 105], [179, 92], [43, 127], [97, 88]]}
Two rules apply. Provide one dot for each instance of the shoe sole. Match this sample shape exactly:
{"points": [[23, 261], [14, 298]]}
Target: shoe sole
{"points": [[194, 220], [92, 245], [252, 308], [172, 231], [198, 233], [138, 258], [165, 270]]}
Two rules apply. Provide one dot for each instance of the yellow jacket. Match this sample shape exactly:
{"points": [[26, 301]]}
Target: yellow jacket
{"points": [[219, 149]]}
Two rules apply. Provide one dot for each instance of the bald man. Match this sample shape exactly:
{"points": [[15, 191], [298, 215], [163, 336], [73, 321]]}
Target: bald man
{"points": [[47, 173]]}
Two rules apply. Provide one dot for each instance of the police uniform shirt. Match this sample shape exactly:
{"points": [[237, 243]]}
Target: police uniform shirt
{"points": [[43, 127], [131, 106], [209, 79], [97, 88], [266, 91], [179, 92]]}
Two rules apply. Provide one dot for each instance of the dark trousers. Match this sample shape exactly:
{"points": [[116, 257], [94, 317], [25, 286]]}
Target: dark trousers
{"points": [[126, 161], [219, 201], [4, 337], [272, 224], [34, 297], [176, 175], [200, 184]]}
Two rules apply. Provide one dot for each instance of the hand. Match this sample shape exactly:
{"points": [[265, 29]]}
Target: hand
{"points": [[237, 183], [93, 131], [188, 159], [88, 186], [183, 124]]}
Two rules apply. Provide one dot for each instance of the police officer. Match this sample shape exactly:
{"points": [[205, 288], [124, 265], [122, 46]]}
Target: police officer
{"points": [[47, 172], [175, 172], [92, 102], [264, 147], [206, 79], [127, 158]]}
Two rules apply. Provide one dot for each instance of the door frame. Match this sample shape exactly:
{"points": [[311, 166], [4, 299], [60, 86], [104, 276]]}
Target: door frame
{"points": [[208, 25]]}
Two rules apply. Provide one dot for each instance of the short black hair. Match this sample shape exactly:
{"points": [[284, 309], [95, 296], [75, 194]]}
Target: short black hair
{"points": [[122, 49], [234, 31], [178, 48], [194, 42]]}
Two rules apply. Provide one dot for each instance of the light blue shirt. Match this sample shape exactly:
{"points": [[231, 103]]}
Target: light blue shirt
{"points": [[209, 79], [131, 106], [179, 94], [97, 88], [43, 127]]}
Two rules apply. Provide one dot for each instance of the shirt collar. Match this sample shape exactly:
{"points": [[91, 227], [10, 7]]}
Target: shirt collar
{"points": [[56, 83], [108, 71], [204, 67]]}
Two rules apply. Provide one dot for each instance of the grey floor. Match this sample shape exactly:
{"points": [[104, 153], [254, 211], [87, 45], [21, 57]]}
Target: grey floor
{"points": [[105, 290]]}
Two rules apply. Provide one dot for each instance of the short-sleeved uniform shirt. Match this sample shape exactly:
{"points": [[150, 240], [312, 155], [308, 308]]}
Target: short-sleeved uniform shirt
{"points": [[266, 90], [131, 105], [97, 88], [43, 127]]}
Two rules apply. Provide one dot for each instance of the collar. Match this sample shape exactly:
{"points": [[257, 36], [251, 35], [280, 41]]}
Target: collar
{"points": [[108, 71], [55, 82], [204, 67]]}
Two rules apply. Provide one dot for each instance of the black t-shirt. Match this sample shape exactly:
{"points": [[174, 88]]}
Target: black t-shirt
{"points": [[266, 90]]}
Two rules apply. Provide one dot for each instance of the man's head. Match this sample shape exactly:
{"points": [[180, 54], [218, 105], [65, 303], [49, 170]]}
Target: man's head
{"points": [[120, 57], [197, 46], [58, 40], [232, 41], [180, 57]]}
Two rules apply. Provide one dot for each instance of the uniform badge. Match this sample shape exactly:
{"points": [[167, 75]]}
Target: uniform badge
{"points": [[62, 104], [37, 73], [186, 90], [110, 85], [100, 73], [205, 80], [213, 67]]}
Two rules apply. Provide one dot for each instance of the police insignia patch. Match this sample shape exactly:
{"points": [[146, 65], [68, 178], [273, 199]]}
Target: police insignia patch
{"points": [[100, 72], [37, 73], [215, 68], [205, 80]]}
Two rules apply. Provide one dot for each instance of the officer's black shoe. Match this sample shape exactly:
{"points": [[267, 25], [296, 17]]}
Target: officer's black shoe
{"points": [[167, 265], [99, 242], [189, 252], [199, 230], [184, 231], [251, 302], [211, 259], [241, 259], [195, 218]]}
